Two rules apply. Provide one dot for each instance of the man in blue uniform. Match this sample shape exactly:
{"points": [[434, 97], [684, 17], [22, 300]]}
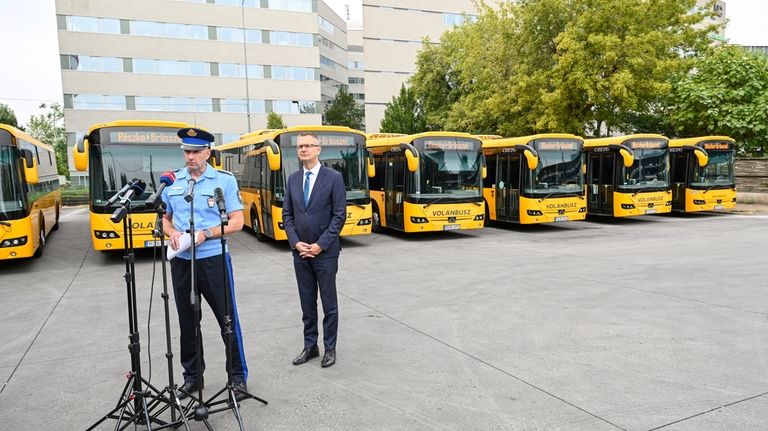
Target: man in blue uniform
{"points": [[314, 211], [209, 272]]}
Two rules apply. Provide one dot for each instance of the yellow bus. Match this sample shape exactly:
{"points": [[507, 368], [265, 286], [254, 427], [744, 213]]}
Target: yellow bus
{"points": [[30, 199], [114, 154], [628, 175], [535, 179], [702, 173], [262, 161], [427, 182]]}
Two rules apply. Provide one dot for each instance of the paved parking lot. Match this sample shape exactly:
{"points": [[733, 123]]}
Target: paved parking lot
{"points": [[640, 324]]}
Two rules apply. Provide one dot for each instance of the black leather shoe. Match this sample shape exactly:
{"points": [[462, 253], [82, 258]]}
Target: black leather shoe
{"points": [[329, 358], [306, 354], [190, 388], [241, 391]]}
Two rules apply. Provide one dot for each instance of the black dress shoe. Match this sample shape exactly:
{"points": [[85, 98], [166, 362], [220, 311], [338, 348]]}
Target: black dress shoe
{"points": [[190, 388], [306, 354], [329, 358], [241, 391]]}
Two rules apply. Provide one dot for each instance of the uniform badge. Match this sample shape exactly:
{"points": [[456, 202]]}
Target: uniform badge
{"points": [[239, 197], [211, 202]]}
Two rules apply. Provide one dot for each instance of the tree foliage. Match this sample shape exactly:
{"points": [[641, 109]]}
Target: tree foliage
{"points": [[404, 114], [579, 66], [7, 116], [726, 94], [275, 121], [48, 128], [344, 111]]}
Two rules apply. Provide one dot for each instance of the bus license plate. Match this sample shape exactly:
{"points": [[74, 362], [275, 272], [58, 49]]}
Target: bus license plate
{"points": [[652, 211], [561, 218], [152, 243], [719, 207], [451, 227]]}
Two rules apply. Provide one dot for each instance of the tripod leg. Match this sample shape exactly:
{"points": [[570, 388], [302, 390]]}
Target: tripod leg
{"points": [[236, 409]]}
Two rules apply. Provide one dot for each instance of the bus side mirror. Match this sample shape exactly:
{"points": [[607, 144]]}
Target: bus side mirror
{"points": [[30, 167], [412, 156], [628, 157], [371, 167], [531, 156], [273, 155], [80, 154], [702, 157], [215, 159], [485, 167]]}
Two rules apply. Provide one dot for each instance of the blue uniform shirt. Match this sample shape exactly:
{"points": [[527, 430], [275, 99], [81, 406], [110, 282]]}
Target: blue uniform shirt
{"points": [[206, 211]]}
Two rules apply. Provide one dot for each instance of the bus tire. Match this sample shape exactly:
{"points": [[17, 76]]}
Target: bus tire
{"points": [[376, 220], [56, 222], [487, 217], [256, 227], [41, 246]]}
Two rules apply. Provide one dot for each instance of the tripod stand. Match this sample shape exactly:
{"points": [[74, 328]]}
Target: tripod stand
{"points": [[233, 393], [136, 403]]}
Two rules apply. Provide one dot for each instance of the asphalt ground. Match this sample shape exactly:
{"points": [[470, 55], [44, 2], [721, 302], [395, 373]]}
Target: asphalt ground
{"points": [[657, 322]]}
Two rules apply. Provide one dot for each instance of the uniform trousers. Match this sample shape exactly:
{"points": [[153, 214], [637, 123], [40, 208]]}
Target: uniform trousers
{"points": [[210, 280]]}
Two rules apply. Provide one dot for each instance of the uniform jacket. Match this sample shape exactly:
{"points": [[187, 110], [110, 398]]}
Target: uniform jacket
{"points": [[323, 218]]}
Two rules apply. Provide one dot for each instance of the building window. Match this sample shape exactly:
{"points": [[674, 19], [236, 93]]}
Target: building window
{"points": [[293, 73], [326, 25], [294, 5], [92, 64], [457, 19], [162, 29], [356, 80], [232, 70], [98, 102], [357, 96], [356, 65], [288, 38], [327, 62], [226, 34], [93, 25]]}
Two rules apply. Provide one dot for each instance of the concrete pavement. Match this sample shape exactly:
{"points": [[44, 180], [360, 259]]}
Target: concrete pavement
{"points": [[638, 324]]}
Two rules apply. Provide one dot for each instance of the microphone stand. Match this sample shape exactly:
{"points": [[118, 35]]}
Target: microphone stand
{"points": [[233, 394], [132, 404], [172, 388]]}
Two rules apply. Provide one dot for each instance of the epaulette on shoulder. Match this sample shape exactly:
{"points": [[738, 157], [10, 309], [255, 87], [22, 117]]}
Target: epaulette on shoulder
{"points": [[226, 172]]}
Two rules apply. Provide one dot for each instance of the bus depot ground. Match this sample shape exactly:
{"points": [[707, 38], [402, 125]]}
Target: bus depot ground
{"points": [[657, 322]]}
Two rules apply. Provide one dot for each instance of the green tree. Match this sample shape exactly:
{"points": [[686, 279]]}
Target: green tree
{"points": [[48, 127], [275, 121], [7, 116], [344, 111], [579, 66], [404, 114], [726, 94]]}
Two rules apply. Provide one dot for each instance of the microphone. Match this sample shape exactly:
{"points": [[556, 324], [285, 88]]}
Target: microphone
{"points": [[189, 195], [116, 197], [219, 195], [166, 179], [136, 189]]}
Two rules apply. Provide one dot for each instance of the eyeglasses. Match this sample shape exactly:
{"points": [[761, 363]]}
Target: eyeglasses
{"points": [[306, 146]]}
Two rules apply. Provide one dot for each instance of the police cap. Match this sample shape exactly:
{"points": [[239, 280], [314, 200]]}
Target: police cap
{"points": [[193, 139]]}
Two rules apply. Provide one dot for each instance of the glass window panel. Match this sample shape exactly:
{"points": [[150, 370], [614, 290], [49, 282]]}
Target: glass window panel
{"points": [[232, 105], [145, 28], [228, 34], [279, 72], [258, 106], [253, 36], [142, 65]]}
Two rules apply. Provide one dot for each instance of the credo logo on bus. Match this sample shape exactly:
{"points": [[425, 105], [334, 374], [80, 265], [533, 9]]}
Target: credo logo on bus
{"points": [[138, 137]]}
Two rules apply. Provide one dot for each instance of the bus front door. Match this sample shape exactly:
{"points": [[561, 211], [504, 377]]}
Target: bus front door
{"points": [[508, 187], [600, 181], [394, 190]]}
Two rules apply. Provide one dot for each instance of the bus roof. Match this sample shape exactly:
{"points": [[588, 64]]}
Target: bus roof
{"points": [[382, 135], [525, 140], [19, 134], [264, 134], [613, 140], [396, 140], [697, 140], [142, 123]]}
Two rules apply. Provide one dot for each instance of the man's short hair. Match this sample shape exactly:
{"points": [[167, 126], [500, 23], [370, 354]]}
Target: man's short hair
{"points": [[314, 136]]}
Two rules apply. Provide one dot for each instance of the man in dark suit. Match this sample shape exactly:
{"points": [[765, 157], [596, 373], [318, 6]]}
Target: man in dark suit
{"points": [[314, 211]]}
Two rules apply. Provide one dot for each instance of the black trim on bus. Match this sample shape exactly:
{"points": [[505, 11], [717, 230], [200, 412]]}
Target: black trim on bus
{"points": [[444, 200]]}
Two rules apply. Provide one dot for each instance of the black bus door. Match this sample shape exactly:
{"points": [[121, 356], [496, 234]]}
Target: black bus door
{"points": [[600, 180], [508, 187], [394, 193]]}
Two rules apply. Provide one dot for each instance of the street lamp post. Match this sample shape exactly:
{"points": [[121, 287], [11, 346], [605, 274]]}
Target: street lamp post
{"points": [[245, 61]]}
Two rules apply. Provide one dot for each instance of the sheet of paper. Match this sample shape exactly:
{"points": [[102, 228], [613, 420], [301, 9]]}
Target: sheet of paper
{"points": [[184, 242]]}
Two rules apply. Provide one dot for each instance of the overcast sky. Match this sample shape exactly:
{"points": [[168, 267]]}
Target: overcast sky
{"points": [[30, 72]]}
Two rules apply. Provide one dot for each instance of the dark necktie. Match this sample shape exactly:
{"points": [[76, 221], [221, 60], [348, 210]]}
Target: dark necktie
{"points": [[306, 188]]}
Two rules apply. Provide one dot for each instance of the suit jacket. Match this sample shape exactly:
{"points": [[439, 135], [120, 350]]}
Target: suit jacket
{"points": [[323, 218]]}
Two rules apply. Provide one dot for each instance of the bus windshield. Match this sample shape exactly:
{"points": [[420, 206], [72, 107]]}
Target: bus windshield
{"points": [[718, 172], [344, 153], [449, 168], [12, 205], [558, 172], [119, 156], [649, 171]]}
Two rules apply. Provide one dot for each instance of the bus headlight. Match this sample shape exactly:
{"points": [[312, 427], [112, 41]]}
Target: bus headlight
{"points": [[364, 222], [668, 204], [534, 213], [280, 225], [583, 209], [419, 220], [105, 234], [13, 242], [627, 206], [699, 202], [480, 217]]}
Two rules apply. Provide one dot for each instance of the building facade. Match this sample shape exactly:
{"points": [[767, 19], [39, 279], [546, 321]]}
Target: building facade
{"points": [[187, 60], [356, 63]]}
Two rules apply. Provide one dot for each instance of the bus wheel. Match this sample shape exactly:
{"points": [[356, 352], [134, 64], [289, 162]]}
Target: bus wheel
{"points": [[41, 246], [56, 222], [375, 220], [487, 218], [255, 226]]}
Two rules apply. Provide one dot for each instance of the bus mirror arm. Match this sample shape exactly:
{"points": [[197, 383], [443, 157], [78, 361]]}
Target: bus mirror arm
{"points": [[411, 155], [273, 155], [702, 157], [626, 154], [531, 156]]}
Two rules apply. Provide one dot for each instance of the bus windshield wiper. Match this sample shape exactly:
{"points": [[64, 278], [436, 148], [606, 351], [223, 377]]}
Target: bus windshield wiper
{"points": [[4, 223], [434, 202]]}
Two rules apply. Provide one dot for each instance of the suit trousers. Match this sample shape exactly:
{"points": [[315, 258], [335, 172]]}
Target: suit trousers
{"points": [[315, 274], [210, 280]]}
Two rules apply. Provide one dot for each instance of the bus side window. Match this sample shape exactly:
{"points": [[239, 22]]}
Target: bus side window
{"points": [[679, 167], [490, 163], [377, 182], [514, 172], [606, 172], [399, 174]]}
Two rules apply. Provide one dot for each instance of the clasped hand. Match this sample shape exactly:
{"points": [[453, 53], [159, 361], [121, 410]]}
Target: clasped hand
{"points": [[308, 251]]}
